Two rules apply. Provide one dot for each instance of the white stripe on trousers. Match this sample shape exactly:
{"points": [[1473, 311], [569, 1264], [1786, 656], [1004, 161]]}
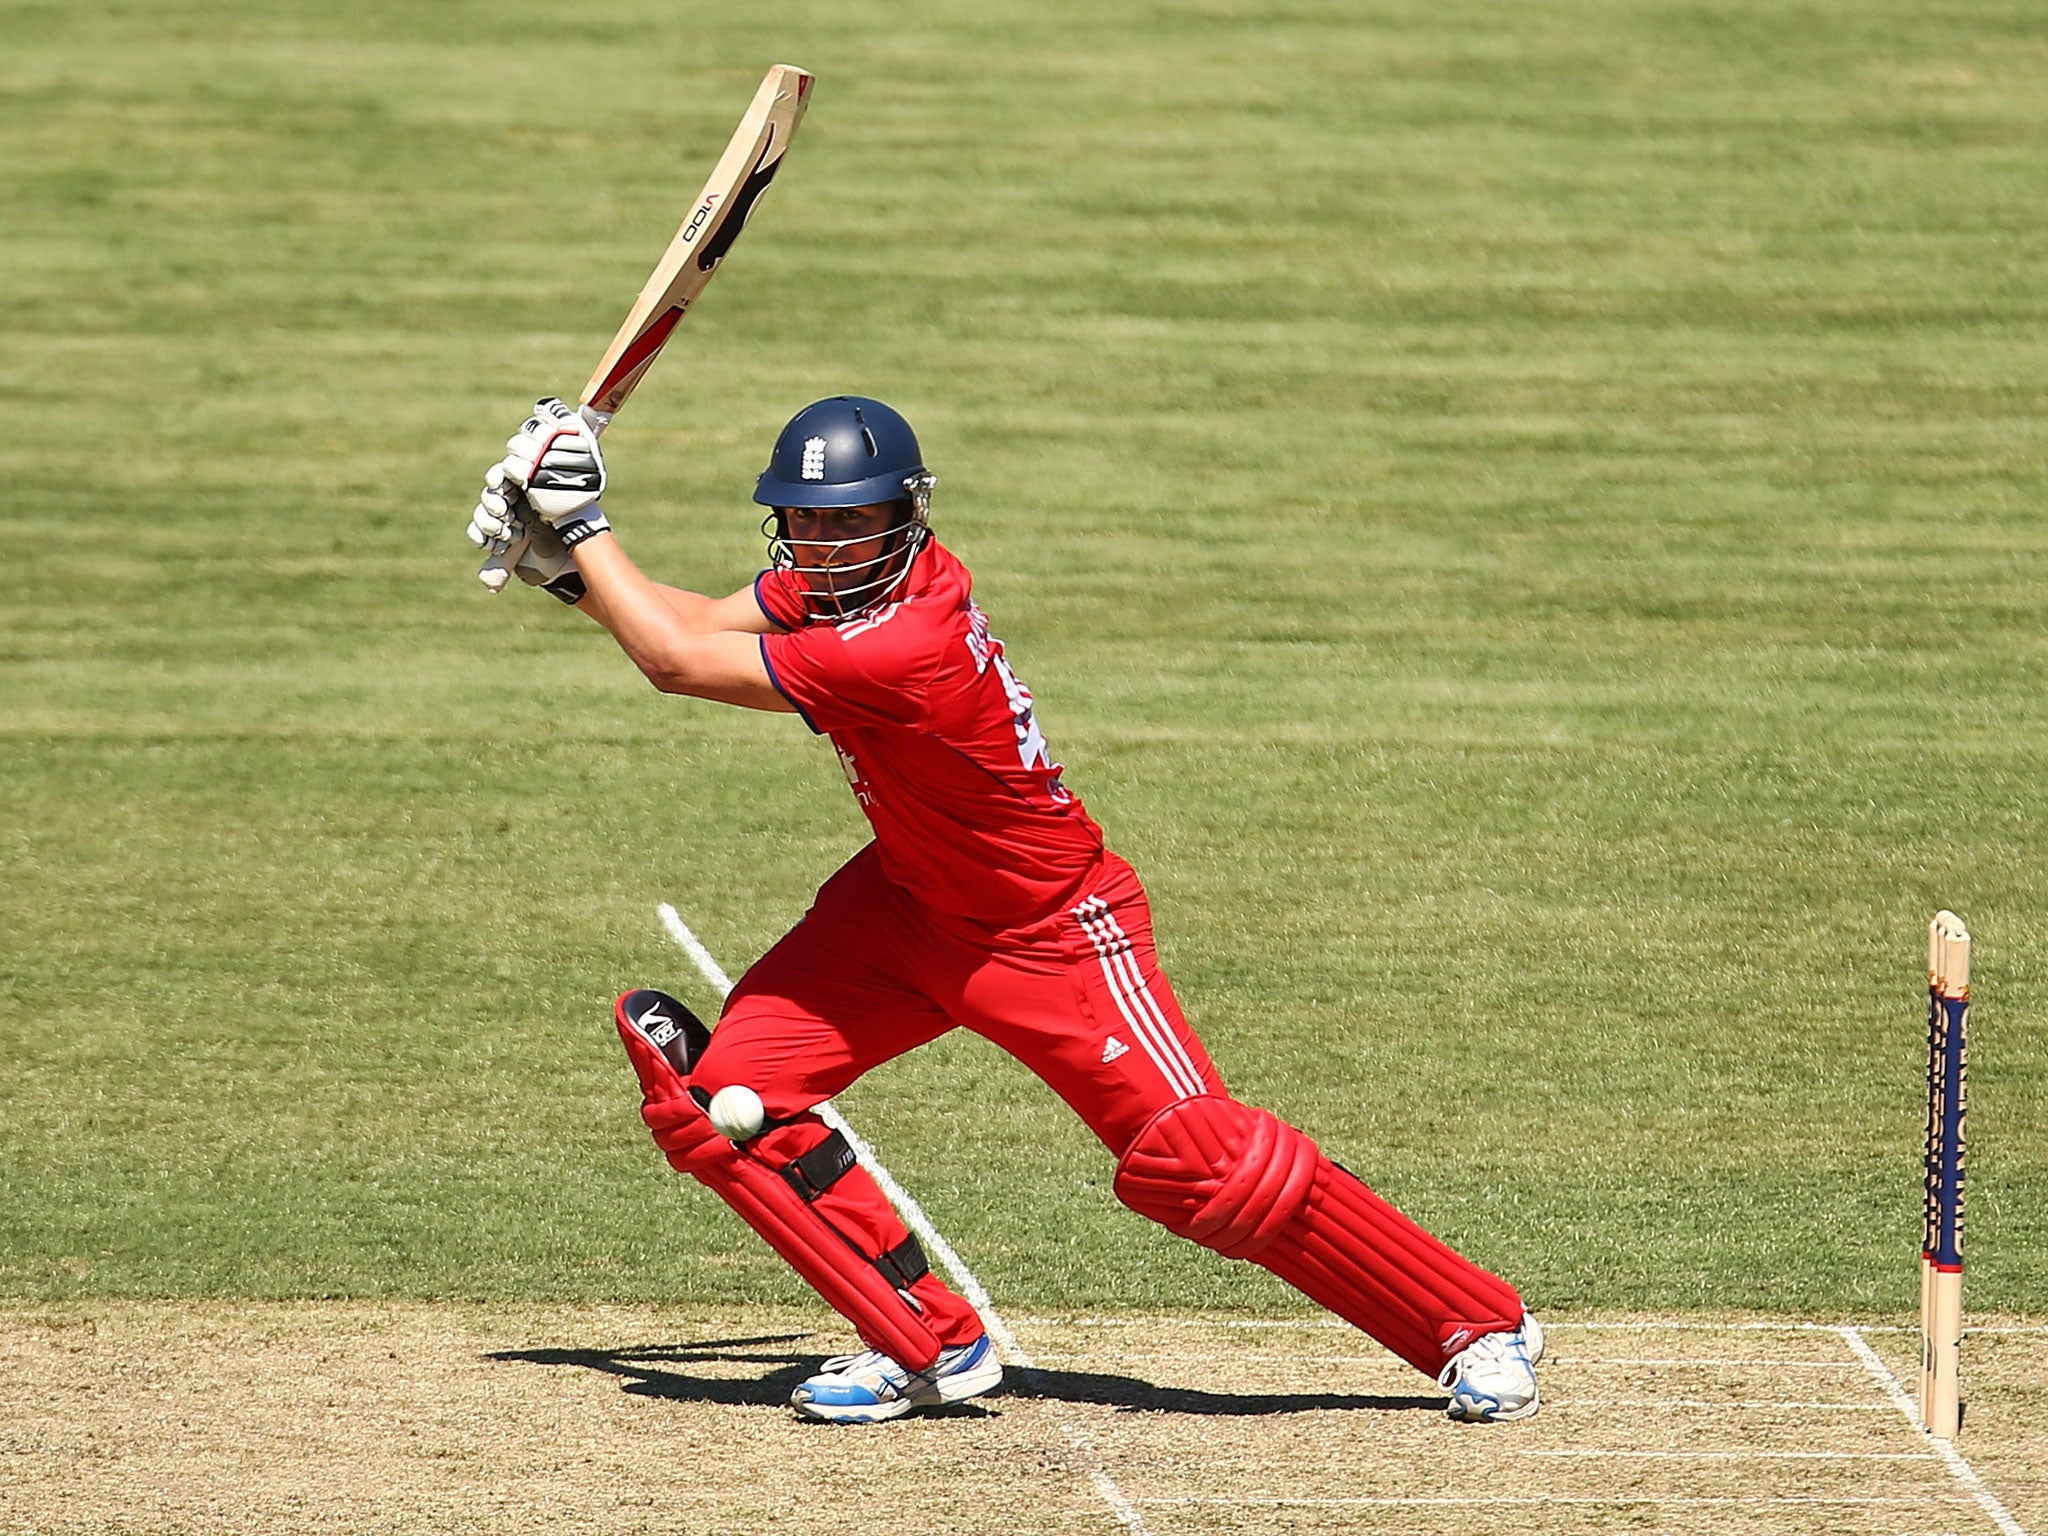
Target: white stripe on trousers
{"points": [[1134, 998]]}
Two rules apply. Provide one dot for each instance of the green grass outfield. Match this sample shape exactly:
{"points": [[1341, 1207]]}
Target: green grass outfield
{"points": [[1525, 521]]}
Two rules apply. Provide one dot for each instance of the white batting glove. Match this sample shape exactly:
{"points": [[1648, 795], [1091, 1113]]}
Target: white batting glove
{"points": [[547, 563], [499, 522], [515, 542], [555, 457]]}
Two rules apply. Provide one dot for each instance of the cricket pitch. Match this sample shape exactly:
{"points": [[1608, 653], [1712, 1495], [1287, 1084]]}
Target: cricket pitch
{"points": [[363, 1417]]}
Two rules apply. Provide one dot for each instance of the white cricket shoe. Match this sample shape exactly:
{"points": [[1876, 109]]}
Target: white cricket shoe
{"points": [[870, 1387], [1493, 1379]]}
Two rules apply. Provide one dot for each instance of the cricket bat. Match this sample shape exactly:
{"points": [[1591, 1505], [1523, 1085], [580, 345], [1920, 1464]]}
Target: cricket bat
{"points": [[707, 233]]}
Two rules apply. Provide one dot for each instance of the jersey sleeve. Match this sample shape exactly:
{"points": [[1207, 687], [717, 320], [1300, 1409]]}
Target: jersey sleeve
{"points": [[840, 676], [779, 593]]}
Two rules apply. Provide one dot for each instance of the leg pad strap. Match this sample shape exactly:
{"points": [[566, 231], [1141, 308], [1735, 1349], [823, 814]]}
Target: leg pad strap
{"points": [[820, 1168], [905, 1264]]}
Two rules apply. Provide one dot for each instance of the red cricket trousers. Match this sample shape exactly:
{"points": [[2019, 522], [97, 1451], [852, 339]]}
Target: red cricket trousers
{"points": [[1078, 998]]}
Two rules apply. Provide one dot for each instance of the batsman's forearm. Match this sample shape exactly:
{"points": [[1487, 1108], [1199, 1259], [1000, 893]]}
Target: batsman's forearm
{"points": [[693, 608], [636, 611], [669, 650]]}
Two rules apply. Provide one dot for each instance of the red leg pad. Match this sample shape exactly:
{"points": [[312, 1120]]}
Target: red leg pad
{"points": [[1249, 1185], [827, 1259]]}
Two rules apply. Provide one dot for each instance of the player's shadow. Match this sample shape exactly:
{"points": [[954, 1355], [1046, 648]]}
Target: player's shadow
{"points": [[663, 1371]]}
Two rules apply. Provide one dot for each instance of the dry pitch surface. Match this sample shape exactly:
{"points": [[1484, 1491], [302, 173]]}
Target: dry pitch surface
{"points": [[361, 1418]]}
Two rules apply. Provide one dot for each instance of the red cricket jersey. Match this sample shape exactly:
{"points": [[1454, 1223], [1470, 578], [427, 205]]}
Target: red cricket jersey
{"points": [[938, 739]]}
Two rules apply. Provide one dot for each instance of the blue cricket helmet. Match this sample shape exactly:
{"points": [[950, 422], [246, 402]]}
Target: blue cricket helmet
{"points": [[848, 451]]}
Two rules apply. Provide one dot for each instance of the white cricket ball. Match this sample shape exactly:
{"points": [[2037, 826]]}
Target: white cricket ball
{"points": [[736, 1113]]}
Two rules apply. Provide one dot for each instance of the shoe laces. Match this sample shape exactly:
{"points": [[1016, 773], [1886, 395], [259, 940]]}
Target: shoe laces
{"points": [[867, 1362], [873, 1361], [1485, 1349]]}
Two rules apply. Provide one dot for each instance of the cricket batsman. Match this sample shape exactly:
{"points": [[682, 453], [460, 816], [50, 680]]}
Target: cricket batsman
{"points": [[986, 900]]}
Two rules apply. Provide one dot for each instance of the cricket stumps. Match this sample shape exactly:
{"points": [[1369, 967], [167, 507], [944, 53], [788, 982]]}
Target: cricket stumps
{"points": [[1941, 1244]]}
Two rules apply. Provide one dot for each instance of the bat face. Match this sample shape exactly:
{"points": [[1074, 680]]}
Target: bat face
{"points": [[714, 222]]}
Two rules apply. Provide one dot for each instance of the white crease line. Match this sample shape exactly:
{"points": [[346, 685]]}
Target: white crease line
{"points": [[1700, 1325], [1953, 1459], [1746, 1405], [1394, 1501], [1760, 1364], [1674, 1324], [701, 957], [1550, 1361], [1181, 1322], [1787, 1326], [1608, 1455], [1129, 1357], [915, 1218], [1914, 1327]]}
